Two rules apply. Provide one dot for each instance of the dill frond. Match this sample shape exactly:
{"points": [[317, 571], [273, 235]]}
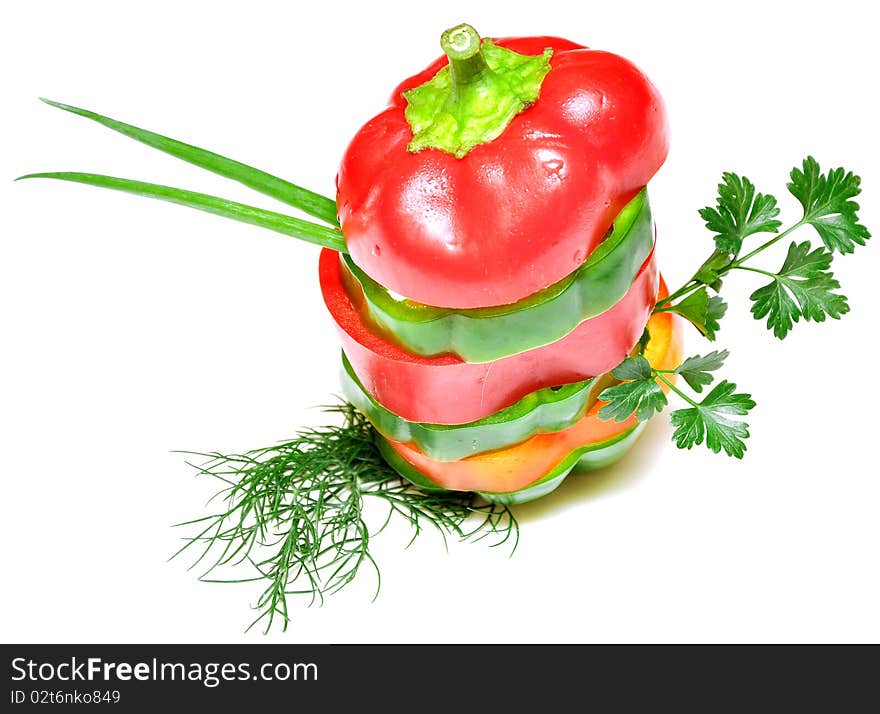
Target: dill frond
{"points": [[293, 514]]}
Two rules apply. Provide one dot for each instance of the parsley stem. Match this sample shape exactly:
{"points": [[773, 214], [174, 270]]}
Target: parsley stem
{"points": [[691, 285], [659, 375], [754, 270], [665, 305], [739, 261]]}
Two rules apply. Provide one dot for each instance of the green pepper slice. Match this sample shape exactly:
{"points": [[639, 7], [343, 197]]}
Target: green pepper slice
{"points": [[489, 333], [546, 410]]}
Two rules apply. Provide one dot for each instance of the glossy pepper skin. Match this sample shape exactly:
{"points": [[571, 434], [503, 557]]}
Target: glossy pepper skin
{"points": [[447, 390], [490, 333], [518, 213]]}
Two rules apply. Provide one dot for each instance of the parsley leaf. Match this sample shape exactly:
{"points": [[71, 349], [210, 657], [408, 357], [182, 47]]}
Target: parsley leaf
{"points": [[707, 421], [702, 311], [633, 368], [641, 395], [695, 370], [739, 213], [826, 204], [804, 275]]}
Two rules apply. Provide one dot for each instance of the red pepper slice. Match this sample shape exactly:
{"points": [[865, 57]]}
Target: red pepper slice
{"points": [[446, 390], [513, 215]]}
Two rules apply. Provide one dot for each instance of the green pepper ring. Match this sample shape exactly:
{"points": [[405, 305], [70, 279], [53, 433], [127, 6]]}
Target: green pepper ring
{"points": [[490, 333]]}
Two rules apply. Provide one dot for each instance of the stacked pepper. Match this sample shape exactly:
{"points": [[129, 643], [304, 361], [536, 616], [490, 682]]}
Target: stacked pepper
{"points": [[495, 260], [500, 262]]}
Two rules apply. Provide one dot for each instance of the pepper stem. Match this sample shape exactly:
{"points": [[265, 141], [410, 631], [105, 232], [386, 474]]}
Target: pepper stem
{"points": [[462, 46], [471, 100]]}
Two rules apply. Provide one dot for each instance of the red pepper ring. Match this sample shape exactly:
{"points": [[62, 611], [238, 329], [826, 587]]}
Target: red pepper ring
{"points": [[447, 390]]}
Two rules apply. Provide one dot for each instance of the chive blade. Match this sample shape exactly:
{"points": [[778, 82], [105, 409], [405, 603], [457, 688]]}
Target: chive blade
{"points": [[308, 201], [278, 222]]}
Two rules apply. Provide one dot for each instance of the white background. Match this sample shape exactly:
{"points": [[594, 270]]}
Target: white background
{"points": [[131, 328]]}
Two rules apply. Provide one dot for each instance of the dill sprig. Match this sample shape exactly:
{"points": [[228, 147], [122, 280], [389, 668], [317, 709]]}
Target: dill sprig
{"points": [[294, 513]]}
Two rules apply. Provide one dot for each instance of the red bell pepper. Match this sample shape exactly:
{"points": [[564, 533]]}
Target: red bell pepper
{"points": [[515, 214]]}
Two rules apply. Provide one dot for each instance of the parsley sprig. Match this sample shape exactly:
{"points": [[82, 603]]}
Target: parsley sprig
{"points": [[707, 420], [803, 288]]}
